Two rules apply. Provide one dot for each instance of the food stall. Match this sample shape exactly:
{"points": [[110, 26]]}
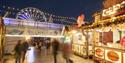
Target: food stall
{"points": [[79, 43], [108, 39], [81, 39], [108, 32], [108, 47]]}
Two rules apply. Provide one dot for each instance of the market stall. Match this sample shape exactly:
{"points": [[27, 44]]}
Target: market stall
{"points": [[80, 38], [109, 34], [2, 37], [108, 38], [79, 43]]}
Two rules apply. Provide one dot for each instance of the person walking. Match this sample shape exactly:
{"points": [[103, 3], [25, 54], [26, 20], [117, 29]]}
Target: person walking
{"points": [[55, 46], [67, 46], [48, 45], [66, 51], [25, 47], [17, 51], [39, 46]]}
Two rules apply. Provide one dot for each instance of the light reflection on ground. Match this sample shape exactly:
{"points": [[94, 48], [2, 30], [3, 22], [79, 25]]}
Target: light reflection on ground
{"points": [[30, 55]]}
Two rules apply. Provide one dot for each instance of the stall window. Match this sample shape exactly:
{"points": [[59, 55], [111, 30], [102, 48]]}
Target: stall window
{"points": [[106, 37]]}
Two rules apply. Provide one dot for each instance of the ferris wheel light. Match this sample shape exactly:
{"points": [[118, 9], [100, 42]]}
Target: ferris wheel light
{"points": [[26, 13], [8, 7], [37, 11], [18, 9], [4, 6], [31, 14], [13, 8], [30, 10]]}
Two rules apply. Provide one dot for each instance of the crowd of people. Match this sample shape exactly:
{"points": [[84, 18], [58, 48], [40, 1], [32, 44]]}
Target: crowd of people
{"points": [[20, 51], [22, 47]]}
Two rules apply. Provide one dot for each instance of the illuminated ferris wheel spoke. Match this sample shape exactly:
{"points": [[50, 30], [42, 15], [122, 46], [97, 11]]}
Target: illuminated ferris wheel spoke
{"points": [[25, 15], [31, 14], [21, 18]]}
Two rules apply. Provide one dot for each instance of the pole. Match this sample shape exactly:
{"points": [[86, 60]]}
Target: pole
{"points": [[1, 39], [87, 44]]}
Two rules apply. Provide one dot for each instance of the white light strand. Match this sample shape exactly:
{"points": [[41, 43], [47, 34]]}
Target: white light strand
{"points": [[54, 17], [34, 35]]}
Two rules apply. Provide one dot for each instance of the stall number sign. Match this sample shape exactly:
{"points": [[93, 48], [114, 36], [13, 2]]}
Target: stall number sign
{"points": [[112, 10], [99, 52]]}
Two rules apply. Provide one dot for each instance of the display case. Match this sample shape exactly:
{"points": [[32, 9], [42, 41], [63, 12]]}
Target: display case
{"points": [[79, 45], [109, 49]]}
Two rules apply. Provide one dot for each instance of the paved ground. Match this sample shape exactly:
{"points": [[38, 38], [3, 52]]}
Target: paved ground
{"points": [[35, 56]]}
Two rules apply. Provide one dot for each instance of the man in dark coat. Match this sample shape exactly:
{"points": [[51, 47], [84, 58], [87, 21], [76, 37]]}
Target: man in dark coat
{"points": [[25, 47], [17, 50], [55, 45]]}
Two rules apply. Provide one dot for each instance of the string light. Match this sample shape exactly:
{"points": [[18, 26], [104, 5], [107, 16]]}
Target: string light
{"points": [[54, 17], [107, 22]]}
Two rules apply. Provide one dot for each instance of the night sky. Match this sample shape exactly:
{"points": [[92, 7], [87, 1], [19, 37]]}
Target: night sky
{"points": [[69, 8]]}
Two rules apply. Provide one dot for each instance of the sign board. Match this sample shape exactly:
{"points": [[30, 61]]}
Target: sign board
{"points": [[99, 52], [20, 27], [113, 56], [114, 10]]}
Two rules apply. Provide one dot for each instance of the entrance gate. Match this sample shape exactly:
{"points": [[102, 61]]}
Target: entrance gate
{"points": [[16, 29]]}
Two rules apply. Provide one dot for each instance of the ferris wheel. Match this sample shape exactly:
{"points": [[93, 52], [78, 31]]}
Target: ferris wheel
{"points": [[31, 14]]}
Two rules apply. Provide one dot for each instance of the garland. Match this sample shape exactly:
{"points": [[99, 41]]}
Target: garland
{"points": [[106, 23]]}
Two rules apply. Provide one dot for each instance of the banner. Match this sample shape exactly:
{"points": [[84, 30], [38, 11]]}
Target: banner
{"points": [[23, 27]]}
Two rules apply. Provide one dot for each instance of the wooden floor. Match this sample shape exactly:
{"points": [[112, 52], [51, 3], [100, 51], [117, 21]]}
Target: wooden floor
{"points": [[36, 56]]}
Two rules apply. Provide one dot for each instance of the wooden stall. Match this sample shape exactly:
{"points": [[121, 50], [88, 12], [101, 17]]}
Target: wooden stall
{"points": [[2, 32], [108, 34], [81, 41], [108, 39]]}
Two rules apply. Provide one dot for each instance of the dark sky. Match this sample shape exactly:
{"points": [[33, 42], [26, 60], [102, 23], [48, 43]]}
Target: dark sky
{"points": [[69, 8]]}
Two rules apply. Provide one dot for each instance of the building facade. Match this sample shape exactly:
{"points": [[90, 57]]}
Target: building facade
{"points": [[110, 3]]}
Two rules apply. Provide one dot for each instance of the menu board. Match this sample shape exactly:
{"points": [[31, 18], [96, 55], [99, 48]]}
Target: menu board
{"points": [[113, 56], [99, 52]]}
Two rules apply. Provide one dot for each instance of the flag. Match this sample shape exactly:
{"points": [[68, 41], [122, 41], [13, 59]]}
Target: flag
{"points": [[80, 20]]}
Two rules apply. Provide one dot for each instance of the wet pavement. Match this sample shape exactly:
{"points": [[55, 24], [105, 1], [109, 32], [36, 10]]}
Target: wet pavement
{"points": [[36, 56]]}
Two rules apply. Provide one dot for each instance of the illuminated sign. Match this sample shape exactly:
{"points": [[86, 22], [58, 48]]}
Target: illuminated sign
{"points": [[17, 22], [99, 52], [112, 55], [15, 27], [112, 10]]}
